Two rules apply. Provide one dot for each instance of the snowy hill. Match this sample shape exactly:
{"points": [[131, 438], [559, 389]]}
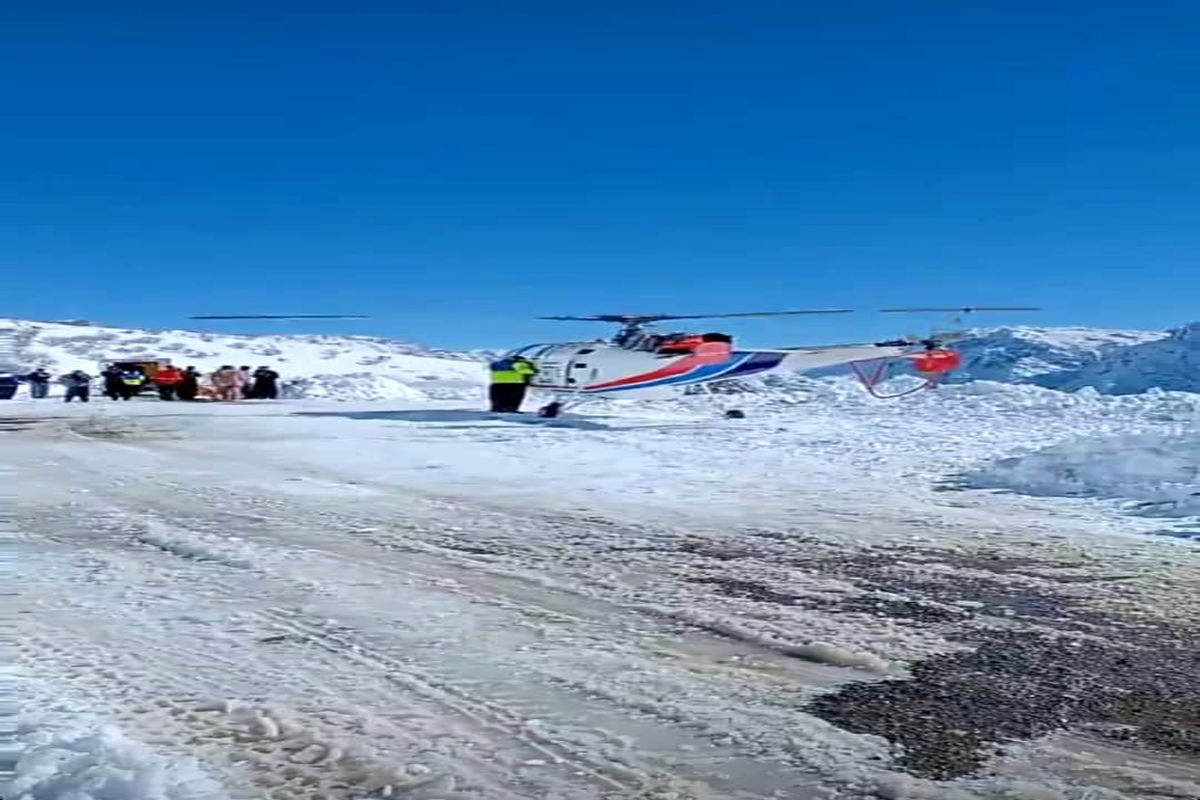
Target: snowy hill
{"points": [[368, 368], [356, 367], [1050, 357], [1170, 363], [1025, 354]]}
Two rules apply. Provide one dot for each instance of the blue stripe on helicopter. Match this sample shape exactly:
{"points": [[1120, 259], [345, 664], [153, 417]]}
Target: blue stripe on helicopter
{"points": [[739, 365]]}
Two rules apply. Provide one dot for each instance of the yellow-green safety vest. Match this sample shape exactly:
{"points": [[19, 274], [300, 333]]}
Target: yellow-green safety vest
{"points": [[518, 372]]}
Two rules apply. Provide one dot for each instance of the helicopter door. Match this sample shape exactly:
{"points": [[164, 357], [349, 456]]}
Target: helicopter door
{"points": [[580, 371], [548, 358]]}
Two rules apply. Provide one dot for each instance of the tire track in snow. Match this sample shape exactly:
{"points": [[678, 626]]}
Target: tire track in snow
{"points": [[443, 562], [133, 674], [139, 667], [518, 584], [276, 755], [616, 772], [591, 756]]}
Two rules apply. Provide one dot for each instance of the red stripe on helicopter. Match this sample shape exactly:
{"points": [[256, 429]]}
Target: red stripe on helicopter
{"points": [[705, 355]]}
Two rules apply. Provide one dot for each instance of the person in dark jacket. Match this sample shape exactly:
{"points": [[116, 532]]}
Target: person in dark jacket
{"points": [[39, 383], [114, 388], [247, 383], [266, 384], [189, 385], [79, 386]]}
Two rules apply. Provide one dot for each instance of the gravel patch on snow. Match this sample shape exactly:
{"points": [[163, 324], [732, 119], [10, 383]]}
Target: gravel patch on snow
{"points": [[1035, 661]]}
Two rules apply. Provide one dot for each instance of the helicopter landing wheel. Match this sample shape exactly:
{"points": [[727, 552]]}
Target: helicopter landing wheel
{"points": [[735, 413]]}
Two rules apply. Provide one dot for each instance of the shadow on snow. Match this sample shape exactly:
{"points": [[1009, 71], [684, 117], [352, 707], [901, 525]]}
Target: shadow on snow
{"points": [[461, 416]]}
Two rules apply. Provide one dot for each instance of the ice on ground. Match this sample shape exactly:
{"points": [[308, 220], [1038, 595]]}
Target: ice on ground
{"points": [[1153, 473], [104, 765]]}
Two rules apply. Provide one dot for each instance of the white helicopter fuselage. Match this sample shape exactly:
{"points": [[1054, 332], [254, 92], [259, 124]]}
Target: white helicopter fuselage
{"points": [[606, 368]]}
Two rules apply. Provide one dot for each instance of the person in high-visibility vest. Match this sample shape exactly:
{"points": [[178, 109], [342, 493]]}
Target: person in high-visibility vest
{"points": [[510, 379], [133, 378]]}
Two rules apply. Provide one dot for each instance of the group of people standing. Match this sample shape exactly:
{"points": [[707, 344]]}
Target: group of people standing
{"points": [[78, 384], [232, 383], [172, 383]]}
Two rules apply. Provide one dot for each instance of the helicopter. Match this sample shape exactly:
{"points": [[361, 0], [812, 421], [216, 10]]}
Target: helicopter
{"points": [[638, 359]]}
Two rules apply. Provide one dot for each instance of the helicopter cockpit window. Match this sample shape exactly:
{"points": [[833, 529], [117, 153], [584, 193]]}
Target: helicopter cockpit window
{"points": [[651, 342], [627, 338]]}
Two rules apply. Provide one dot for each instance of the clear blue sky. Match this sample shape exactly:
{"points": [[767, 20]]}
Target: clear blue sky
{"points": [[459, 167]]}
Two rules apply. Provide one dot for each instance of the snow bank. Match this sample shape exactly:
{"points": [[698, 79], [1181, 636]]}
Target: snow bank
{"points": [[355, 386], [104, 765], [1155, 474]]}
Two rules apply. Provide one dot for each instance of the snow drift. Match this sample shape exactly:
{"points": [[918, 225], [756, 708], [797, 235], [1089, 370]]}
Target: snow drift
{"points": [[1154, 474], [105, 765]]}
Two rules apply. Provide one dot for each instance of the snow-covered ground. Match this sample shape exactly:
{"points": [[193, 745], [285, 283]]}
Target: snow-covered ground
{"points": [[414, 599]]}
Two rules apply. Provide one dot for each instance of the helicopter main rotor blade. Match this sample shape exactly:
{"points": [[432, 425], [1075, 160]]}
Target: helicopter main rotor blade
{"points": [[643, 318], [760, 313], [280, 316], [960, 310]]}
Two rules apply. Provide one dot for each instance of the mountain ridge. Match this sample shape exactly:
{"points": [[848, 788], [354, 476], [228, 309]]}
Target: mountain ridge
{"points": [[1112, 361]]}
